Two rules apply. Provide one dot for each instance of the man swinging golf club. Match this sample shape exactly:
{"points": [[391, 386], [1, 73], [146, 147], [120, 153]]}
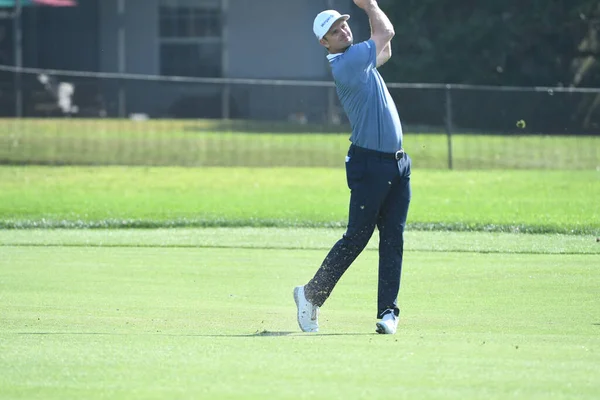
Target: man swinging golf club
{"points": [[377, 168]]}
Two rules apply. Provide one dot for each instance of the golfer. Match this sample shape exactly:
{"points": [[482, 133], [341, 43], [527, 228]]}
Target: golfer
{"points": [[377, 168]]}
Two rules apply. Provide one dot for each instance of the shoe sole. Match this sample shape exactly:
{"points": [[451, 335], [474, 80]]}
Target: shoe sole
{"points": [[381, 329]]}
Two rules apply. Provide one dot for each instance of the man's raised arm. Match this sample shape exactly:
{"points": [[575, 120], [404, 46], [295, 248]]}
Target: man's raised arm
{"points": [[382, 30]]}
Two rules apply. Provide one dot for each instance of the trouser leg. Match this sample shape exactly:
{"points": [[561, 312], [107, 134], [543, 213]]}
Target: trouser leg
{"points": [[360, 229], [391, 223], [367, 193]]}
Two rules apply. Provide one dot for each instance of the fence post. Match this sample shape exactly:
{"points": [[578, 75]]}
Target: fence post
{"points": [[449, 124], [225, 106], [226, 89], [121, 56], [18, 39]]}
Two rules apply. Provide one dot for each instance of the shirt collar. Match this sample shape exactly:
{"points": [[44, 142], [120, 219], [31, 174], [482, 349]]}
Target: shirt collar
{"points": [[332, 57]]}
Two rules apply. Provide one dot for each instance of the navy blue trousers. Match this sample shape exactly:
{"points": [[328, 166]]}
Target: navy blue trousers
{"points": [[379, 196]]}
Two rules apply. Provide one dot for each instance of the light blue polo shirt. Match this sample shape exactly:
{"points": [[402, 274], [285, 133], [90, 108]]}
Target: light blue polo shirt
{"points": [[370, 108]]}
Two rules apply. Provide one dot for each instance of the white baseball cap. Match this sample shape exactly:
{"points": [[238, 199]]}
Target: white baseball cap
{"points": [[324, 20]]}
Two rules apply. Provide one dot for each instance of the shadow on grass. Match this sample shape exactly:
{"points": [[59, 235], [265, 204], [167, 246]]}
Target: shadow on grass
{"points": [[263, 333], [286, 333]]}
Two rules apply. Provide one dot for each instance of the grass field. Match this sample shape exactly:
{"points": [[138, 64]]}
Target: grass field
{"points": [[208, 313], [525, 201], [500, 284], [215, 143]]}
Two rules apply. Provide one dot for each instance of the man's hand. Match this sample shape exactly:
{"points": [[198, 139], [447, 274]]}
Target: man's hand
{"points": [[364, 3]]}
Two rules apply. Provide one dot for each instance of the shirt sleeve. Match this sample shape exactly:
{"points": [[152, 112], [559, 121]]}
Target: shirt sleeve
{"points": [[359, 59]]}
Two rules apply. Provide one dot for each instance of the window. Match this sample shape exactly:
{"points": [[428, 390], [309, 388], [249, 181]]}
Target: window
{"points": [[190, 37]]}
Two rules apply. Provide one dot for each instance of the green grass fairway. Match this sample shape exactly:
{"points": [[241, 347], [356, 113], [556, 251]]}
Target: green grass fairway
{"points": [[208, 313], [244, 143], [526, 201]]}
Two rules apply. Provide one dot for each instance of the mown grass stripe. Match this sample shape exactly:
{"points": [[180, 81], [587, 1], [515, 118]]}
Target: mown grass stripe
{"points": [[268, 223], [245, 247]]}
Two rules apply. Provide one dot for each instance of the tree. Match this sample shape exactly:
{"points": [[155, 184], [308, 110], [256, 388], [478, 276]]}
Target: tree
{"points": [[516, 43], [491, 42]]}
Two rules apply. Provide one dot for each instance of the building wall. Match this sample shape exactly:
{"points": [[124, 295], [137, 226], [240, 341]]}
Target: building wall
{"points": [[269, 39], [61, 37], [273, 39], [266, 38], [137, 54], [140, 23], [281, 45]]}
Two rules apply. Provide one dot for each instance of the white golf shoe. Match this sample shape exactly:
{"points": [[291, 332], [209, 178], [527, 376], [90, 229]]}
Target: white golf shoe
{"points": [[388, 324], [308, 314]]}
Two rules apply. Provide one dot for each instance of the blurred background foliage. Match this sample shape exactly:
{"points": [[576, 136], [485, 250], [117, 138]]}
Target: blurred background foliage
{"points": [[513, 42]]}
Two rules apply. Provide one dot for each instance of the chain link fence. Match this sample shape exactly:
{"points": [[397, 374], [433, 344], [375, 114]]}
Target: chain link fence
{"points": [[81, 118]]}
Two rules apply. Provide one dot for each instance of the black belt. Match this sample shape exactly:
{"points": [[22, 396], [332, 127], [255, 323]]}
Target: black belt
{"points": [[390, 156]]}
